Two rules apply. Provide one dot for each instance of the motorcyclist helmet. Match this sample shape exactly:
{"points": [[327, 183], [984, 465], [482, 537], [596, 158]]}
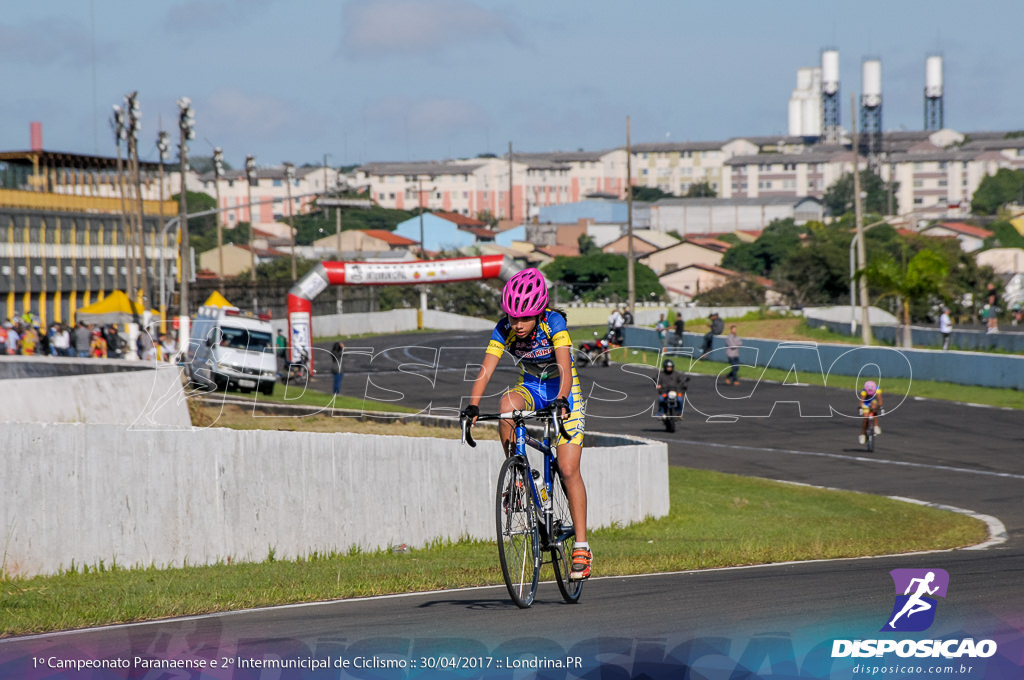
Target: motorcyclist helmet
{"points": [[668, 366], [525, 294], [870, 387]]}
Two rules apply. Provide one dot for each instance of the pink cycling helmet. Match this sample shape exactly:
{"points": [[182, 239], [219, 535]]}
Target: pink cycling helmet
{"points": [[870, 387], [525, 294]]}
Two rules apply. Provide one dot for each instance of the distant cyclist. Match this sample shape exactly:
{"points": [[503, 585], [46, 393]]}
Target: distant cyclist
{"points": [[870, 403], [538, 339]]}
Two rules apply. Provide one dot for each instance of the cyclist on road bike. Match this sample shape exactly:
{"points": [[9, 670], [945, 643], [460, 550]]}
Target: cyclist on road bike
{"points": [[870, 403], [538, 339]]}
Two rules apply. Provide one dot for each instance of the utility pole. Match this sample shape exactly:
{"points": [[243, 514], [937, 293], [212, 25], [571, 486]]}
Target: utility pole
{"points": [[630, 265], [511, 206], [186, 124], [858, 214], [218, 170], [250, 175], [289, 177]]}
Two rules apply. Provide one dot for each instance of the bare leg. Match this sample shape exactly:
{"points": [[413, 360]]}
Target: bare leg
{"points": [[569, 467]]}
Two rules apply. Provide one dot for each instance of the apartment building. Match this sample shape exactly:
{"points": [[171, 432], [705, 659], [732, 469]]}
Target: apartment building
{"points": [[270, 192]]}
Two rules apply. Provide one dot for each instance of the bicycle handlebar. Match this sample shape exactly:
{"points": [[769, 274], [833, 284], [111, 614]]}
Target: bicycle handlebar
{"points": [[517, 415]]}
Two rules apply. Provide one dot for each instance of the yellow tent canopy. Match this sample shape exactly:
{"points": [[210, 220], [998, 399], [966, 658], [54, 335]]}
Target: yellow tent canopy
{"points": [[114, 308], [217, 300]]}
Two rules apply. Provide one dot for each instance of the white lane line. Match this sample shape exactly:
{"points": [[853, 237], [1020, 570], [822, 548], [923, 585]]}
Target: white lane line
{"points": [[839, 456]]}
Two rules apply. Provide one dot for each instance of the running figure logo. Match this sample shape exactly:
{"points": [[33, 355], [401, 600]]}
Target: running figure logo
{"points": [[915, 607]]}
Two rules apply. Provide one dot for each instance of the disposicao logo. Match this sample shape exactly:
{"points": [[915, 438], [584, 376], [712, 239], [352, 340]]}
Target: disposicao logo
{"points": [[914, 611], [916, 590]]}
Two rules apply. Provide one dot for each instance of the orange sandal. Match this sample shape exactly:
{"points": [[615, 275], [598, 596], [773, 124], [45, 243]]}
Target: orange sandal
{"points": [[582, 559]]}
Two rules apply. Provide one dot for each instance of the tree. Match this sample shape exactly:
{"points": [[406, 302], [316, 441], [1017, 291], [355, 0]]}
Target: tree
{"points": [[471, 298], [701, 190], [602, 276], [740, 291], [649, 194], [997, 190], [779, 240], [838, 198], [921, 278], [202, 231], [1006, 235], [586, 245]]}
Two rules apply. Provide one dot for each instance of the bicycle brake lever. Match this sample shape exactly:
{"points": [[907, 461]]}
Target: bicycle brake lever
{"points": [[558, 424], [467, 438]]}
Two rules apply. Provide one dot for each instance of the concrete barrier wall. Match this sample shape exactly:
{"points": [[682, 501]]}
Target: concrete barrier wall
{"points": [[392, 321], [1012, 341], [139, 395], [960, 368], [83, 494]]}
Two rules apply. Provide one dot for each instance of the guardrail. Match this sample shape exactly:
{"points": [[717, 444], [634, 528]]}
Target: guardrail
{"points": [[960, 368]]}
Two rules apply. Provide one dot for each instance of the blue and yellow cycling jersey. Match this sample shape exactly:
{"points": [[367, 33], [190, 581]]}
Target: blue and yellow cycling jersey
{"points": [[872, 401], [535, 355], [539, 378]]}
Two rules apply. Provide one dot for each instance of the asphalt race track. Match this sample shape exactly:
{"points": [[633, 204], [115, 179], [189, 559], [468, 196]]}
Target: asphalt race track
{"points": [[772, 621]]}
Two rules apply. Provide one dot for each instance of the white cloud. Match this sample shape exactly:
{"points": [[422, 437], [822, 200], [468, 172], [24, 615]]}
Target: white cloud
{"points": [[403, 27]]}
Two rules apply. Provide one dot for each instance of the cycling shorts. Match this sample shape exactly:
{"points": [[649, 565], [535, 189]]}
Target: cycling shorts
{"points": [[538, 394]]}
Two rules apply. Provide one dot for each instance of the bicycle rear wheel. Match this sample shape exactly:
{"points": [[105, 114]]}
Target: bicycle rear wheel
{"points": [[563, 539], [518, 540]]}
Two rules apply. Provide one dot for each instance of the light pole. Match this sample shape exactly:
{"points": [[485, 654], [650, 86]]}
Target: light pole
{"points": [[218, 170], [186, 124], [250, 175], [134, 125], [117, 122], [163, 146], [289, 177], [858, 212]]}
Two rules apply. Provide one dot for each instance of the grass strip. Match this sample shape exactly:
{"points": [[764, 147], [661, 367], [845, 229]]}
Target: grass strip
{"points": [[926, 389], [716, 520]]}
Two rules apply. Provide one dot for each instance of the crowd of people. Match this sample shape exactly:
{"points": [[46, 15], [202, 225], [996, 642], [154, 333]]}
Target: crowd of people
{"points": [[25, 336]]}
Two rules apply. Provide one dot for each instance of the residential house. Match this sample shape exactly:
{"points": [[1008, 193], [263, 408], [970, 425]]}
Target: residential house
{"points": [[971, 238], [645, 241], [237, 258], [684, 284], [693, 250]]}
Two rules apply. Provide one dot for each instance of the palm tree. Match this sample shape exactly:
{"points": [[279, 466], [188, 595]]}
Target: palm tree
{"points": [[923, 277]]}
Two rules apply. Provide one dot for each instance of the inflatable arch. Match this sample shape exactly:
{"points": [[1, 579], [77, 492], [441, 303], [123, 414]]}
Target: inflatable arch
{"points": [[301, 295]]}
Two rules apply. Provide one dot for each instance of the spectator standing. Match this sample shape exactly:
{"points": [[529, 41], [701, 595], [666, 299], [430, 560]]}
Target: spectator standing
{"points": [[115, 346], [627, 316], [992, 309], [732, 353], [98, 346], [144, 346], [678, 328], [82, 340], [716, 327], [615, 322], [12, 339], [662, 328], [282, 349], [337, 353], [945, 327]]}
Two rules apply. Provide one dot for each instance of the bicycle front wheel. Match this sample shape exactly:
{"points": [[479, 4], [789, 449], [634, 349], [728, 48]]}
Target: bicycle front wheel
{"points": [[518, 540], [563, 540]]}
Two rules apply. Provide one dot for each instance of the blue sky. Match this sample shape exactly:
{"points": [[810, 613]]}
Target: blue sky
{"points": [[375, 80]]}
